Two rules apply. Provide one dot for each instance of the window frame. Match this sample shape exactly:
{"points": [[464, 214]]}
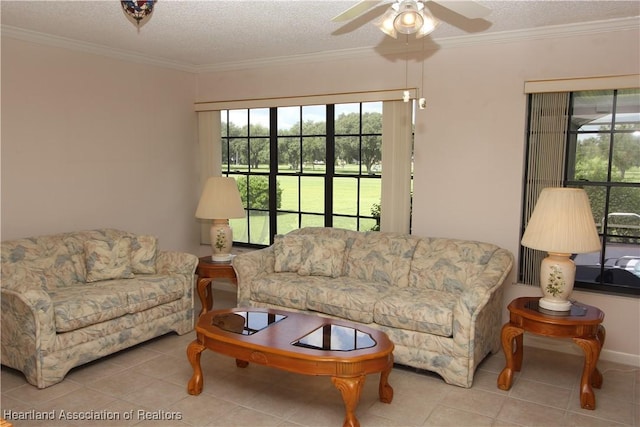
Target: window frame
{"points": [[328, 176], [397, 145], [562, 178], [607, 186]]}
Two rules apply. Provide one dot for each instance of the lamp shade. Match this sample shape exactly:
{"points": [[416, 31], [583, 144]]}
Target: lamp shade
{"points": [[220, 199], [562, 222]]}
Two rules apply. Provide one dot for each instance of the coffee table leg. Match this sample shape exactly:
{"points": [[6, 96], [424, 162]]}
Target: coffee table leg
{"points": [[510, 334], [385, 391], [194, 350], [350, 388]]}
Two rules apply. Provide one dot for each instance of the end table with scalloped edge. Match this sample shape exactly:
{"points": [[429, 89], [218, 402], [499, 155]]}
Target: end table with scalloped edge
{"points": [[583, 324]]}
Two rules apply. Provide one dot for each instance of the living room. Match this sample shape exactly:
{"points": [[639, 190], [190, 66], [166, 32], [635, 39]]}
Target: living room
{"points": [[90, 140]]}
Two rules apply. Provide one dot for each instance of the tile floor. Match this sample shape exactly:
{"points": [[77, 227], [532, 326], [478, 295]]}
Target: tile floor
{"points": [[149, 383]]}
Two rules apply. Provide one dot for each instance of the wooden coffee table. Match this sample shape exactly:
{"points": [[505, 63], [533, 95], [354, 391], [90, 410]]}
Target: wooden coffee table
{"points": [[300, 343]]}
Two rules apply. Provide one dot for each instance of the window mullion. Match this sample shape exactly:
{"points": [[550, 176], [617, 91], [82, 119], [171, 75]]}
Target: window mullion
{"points": [[329, 162], [273, 173]]}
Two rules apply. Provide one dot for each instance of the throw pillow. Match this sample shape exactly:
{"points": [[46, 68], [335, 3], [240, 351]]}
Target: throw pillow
{"points": [[144, 250], [322, 256], [108, 259], [287, 250]]}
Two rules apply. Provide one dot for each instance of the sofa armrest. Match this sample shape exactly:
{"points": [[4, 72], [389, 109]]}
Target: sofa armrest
{"points": [[250, 265], [172, 262], [27, 323], [485, 294]]}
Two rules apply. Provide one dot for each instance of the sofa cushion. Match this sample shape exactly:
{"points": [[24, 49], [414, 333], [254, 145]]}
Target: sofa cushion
{"points": [[61, 270], [284, 289], [79, 306], [65, 270], [151, 291], [449, 265], [347, 298], [288, 253], [322, 256], [421, 310], [107, 260], [381, 257], [47, 257], [144, 250]]}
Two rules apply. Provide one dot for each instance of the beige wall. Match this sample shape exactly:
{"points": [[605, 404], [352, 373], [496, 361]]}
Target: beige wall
{"points": [[469, 143], [90, 142], [91, 145]]}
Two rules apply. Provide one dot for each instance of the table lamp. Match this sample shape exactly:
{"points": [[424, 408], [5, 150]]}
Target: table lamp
{"points": [[220, 200], [561, 224]]}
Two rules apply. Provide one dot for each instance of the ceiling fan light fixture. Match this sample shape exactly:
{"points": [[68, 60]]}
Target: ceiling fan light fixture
{"points": [[409, 18], [430, 24], [385, 22]]}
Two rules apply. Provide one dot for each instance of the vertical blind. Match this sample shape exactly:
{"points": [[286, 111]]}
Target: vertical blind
{"points": [[546, 148]]}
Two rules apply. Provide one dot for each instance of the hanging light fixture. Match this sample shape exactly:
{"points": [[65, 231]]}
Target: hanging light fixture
{"points": [[407, 17], [430, 23], [138, 9], [385, 22]]}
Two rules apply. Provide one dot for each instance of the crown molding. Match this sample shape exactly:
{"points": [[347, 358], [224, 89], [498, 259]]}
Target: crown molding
{"points": [[92, 48], [622, 24], [552, 31]]}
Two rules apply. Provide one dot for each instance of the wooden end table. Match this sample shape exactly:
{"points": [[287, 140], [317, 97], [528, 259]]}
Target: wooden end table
{"points": [[207, 271], [583, 324]]}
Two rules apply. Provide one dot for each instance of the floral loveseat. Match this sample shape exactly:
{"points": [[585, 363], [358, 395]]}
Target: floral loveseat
{"points": [[71, 298], [439, 300]]}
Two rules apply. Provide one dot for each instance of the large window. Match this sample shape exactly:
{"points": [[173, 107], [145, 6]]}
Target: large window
{"points": [[300, 166], [599, 150]]}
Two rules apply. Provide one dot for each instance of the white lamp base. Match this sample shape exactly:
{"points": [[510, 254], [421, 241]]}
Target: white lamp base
{"points": [[557, 274], [221, 240]]}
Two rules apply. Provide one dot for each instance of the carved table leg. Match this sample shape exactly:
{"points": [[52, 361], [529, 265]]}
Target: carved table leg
{"points": [[205, 294], [194, 350], [350, 388], [510, 335], [596, 377], [591, 348], [385, 391]]}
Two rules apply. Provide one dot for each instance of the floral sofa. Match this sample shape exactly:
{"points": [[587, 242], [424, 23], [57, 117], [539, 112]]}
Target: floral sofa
{"points": [[439, 300], [71, 298]]}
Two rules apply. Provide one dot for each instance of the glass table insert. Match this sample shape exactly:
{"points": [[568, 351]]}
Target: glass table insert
{"points": [[246, 322], [336, 338]]}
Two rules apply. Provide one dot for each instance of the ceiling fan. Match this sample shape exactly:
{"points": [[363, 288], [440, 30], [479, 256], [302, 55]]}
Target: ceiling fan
{"points": [[411, 16]]}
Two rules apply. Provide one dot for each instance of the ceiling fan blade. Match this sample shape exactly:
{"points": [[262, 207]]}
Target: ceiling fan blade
{"points": [[356, 10], [468, 9]]}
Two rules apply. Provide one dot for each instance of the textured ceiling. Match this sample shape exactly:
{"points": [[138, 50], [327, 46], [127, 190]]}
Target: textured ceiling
{"points": [[209, 34]]}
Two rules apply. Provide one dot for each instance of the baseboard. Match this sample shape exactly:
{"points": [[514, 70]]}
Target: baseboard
{"points": [[568, 346]]}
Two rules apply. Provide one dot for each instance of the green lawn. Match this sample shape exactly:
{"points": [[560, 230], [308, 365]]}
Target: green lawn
{"points": [[309, 192]]}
